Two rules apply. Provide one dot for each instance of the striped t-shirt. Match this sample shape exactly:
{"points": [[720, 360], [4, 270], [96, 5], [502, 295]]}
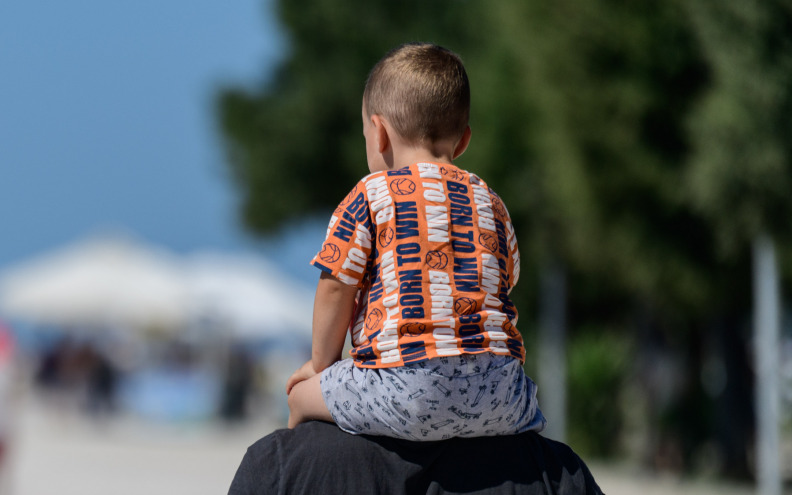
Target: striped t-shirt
{"points": [[433, 251]]}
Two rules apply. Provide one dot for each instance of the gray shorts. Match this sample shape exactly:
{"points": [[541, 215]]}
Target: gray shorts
{"points": [[472, 395]]}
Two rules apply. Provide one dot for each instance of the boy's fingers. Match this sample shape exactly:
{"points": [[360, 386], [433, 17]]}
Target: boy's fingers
{"points": [[305, 372], [290, 383], [294, 380]]}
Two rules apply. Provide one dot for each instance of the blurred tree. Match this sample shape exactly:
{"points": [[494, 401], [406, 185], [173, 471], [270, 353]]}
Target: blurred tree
{"points": [[607, 86], [741, 171], [295, 146], [740, 178]]}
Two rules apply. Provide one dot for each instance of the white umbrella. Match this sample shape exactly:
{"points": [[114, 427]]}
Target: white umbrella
{"points": [[99, 282], [252, 297]]}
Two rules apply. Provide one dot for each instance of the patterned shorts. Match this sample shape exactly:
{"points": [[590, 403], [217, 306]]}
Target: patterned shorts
{"points": [[471, 395]]}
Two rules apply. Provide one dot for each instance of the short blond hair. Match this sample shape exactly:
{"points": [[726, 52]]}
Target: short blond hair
{"points": [[422, 90]]}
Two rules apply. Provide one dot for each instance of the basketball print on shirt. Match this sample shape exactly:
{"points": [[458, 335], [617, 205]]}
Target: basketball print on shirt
{"points": [[330, 253], [385, 237], [465, 306], [497, 204], [374, 318], [489, 241], [437, 260], [402, 186], [452, 173], [413, 328]]}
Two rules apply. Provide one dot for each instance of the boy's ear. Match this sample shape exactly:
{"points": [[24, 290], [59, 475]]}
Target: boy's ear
{"points": [[381, 133], [463, 143]]}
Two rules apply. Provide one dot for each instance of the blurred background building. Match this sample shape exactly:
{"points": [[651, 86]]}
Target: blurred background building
{"points": [[166, 171]]}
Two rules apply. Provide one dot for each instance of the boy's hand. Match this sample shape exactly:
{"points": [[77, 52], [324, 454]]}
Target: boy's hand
{"points": [[305, 372]]}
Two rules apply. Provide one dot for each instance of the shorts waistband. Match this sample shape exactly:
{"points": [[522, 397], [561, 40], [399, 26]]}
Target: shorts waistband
{"points": [[462, 365]]}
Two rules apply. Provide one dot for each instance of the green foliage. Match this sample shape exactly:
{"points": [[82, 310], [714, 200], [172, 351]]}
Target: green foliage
{"points": [[598, 365], [741, 173]]}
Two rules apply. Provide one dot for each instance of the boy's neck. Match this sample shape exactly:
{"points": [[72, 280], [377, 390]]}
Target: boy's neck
{"points": [[403, 154], [396, 153], [409, 155]]}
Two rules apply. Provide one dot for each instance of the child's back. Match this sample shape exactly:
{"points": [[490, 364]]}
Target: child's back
{"points": [[433, 254]]}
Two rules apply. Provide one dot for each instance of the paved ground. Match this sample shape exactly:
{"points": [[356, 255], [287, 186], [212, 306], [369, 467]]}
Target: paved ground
{"points": [[59, 452]]}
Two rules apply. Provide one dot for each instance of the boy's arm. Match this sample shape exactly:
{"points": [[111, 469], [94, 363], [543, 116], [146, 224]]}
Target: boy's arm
{"points": [[333, 307]]}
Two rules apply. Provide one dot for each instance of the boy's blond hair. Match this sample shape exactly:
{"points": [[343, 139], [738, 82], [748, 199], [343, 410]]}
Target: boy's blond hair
{"points": [[422, 90]]}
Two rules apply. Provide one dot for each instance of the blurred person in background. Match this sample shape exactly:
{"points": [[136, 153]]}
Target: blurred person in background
{"points": [[102, 381], [6, 402], [79, 374], [237, 385]]}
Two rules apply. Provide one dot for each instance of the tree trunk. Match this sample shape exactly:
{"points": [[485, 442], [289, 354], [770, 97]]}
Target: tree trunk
{"points": [[552, 348], [767, 322]]}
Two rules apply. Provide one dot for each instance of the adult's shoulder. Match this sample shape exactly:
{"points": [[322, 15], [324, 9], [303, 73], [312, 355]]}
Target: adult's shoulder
{"points": [[318, 457]]}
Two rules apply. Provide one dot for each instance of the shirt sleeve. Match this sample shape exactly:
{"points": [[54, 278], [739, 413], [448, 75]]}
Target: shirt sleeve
{"points": [[347, 251]]}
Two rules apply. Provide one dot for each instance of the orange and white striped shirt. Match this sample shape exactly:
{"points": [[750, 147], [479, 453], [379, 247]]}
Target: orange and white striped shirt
{"points": [[433, 251]]}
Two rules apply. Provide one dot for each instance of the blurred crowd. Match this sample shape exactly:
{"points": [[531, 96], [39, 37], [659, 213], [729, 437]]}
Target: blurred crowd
{"points": [[69, 367], [162, 378]]}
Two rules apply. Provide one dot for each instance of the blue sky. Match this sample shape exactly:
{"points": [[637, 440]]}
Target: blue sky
{"points": [[106, 120]]}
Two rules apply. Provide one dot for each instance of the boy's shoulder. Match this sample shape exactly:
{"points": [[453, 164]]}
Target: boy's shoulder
{"points": [[385, 177], [442, 171], [445, 170]]}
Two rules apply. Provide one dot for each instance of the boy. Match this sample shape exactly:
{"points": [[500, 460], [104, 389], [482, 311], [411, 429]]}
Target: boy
{"points": [[418, 262]]}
